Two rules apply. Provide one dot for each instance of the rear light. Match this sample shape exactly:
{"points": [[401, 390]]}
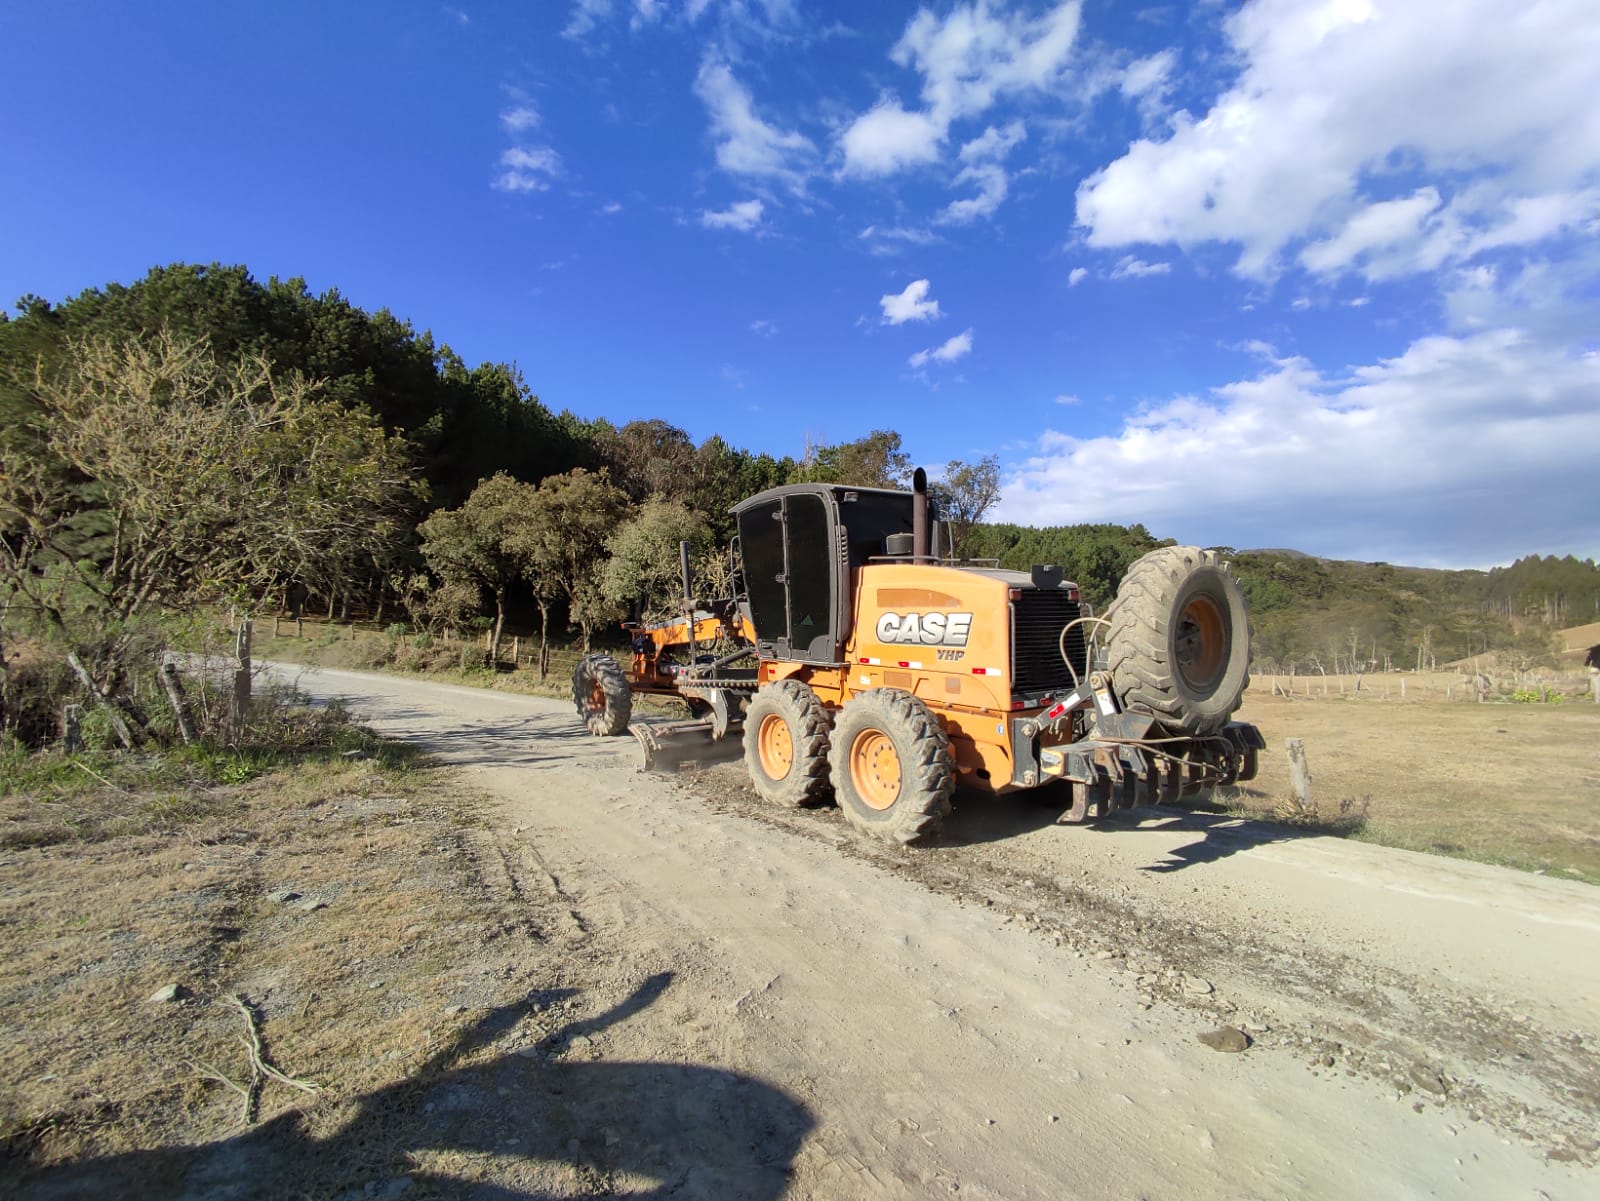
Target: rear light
{"points": [[1056, 710]]}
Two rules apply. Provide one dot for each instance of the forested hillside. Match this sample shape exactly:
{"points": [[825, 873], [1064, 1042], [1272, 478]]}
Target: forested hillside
{"points": [[199, 435]]}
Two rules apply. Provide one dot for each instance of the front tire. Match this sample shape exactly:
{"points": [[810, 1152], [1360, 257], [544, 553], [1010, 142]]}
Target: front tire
{"points": [[601, 695], [893, 772], [1179, 645], [786, 744]]}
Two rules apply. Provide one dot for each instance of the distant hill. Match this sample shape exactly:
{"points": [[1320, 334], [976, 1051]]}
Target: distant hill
{"points": [[1335, 614]]}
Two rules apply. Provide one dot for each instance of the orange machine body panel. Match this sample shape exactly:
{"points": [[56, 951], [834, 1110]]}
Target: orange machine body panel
{"points": [[943, 634]]}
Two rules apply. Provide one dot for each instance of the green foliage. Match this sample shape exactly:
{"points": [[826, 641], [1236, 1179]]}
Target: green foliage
{"points": [[157, 473], [645, 563], [1536, 696], [875, 461], [965, 494], [464, 423], [1095, 557], [475, 547], [561, 547]]}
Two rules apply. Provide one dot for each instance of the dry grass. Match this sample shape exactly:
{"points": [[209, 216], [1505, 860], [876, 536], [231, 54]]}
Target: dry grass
{"points": [[1517, 784], [363, 982]]}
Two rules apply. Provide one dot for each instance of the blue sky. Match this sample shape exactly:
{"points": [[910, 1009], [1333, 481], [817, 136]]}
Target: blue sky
{"points": [[1307, 273]]}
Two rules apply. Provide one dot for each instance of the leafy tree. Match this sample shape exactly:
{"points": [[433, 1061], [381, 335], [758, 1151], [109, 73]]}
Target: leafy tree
{"points": [[561, 547], [464, 423], [645, 563], [650, 458], [473, 545], [151, 473], [875, 461], [965, 494]]}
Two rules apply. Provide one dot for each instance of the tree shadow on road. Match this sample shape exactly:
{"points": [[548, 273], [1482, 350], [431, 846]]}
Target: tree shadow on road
{"points": [[537, 1123]]}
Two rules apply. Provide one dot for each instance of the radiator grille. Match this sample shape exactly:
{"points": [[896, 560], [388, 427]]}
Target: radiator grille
{"points": [[1038, 616]]}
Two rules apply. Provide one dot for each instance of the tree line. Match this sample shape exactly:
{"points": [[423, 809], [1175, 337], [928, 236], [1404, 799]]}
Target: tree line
{"points": [[200, 435]]}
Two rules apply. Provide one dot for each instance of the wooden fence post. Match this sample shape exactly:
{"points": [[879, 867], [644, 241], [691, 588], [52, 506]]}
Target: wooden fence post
{"points": [[1299, 771], [71, 730], [241, 677], [180, 703]]}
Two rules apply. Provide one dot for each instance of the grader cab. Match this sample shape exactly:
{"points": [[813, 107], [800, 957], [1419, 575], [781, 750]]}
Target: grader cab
{"points": [[859, 662]]}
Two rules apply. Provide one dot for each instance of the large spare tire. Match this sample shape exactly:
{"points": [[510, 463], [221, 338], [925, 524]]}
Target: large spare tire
{"points": [[1179, 644]]}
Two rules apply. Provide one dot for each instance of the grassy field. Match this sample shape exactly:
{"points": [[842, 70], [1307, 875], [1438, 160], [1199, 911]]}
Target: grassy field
{"points": [[1517, 784]]}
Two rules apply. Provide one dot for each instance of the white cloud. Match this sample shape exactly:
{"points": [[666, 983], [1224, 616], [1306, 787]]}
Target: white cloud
{"points": [[610, 208], [948, 352], [910, 305], [1066, 398], [733, 376], [888, 139], [747, 145], [763, 327], [994, 144], [586, 14], [1129, 267], [992, 184], [915, 237], [983, 156], [520, 119], [744, 216], [1418, 459], [968, 61], [1076, 276], [1149, 75], [972, 57], [1374, 234], [528, 169], [1345, 105]]}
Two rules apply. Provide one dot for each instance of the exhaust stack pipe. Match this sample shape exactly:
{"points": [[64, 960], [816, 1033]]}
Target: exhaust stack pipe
{"points": [[921, 550]]}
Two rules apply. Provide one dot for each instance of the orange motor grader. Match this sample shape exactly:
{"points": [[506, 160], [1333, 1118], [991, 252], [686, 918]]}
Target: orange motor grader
{"points": [[857, 661]]}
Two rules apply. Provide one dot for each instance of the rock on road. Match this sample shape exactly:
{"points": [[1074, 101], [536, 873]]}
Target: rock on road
{"points": [[1016, 1012]]}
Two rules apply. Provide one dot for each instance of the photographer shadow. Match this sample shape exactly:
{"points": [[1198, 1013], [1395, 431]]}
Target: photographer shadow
{"points": [[543, 1122]]}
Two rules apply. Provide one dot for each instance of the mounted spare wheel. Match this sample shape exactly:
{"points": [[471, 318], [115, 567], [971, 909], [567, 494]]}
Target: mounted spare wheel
{"points": [[1179, 645], [601, 695]]}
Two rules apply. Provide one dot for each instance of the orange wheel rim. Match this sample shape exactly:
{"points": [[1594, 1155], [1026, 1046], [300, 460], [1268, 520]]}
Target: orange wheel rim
{"points": [[597, 697], [875, 769], [1202, 643], [776, 746]]}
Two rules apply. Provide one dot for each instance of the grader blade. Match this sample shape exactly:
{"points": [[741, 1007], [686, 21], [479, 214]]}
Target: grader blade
{"points": [[671, 746]]}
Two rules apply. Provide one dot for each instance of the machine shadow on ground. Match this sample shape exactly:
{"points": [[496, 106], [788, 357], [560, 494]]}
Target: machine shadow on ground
{"points": [[983, 818], [519, 1118]]}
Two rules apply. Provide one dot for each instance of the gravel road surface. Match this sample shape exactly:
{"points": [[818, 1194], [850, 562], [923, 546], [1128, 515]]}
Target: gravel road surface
{"points": [[1025, 1010]]}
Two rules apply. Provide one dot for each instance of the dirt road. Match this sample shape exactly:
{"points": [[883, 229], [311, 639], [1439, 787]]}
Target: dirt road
{"points": [[1016, 1011]]}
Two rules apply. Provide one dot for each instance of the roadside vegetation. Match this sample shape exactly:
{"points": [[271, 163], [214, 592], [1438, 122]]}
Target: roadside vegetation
{"points": [[268, 970]]}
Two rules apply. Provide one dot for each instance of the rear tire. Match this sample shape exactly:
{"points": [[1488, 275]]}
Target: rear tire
{"points": [[601, 695], [893, 773], [1179, 646], [786, 744]]}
